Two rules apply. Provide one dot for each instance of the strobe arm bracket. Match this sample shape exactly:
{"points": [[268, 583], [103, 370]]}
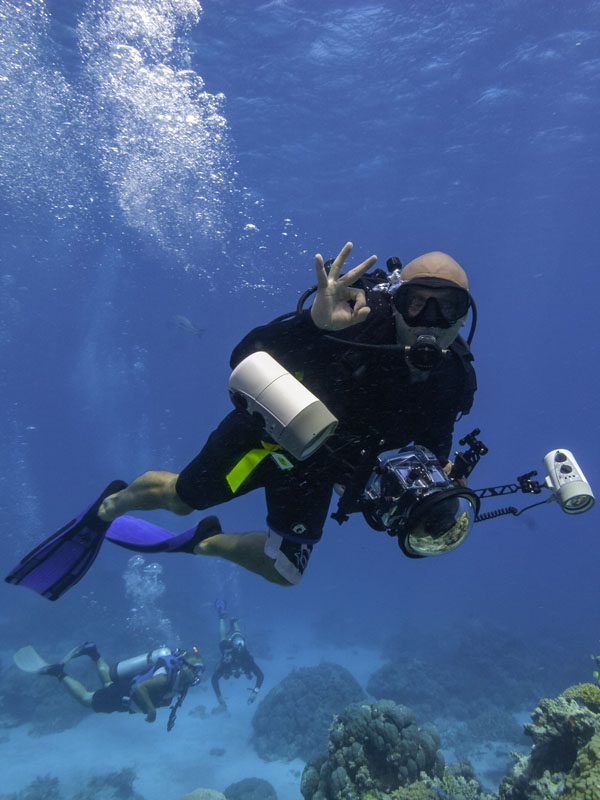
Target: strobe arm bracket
{"points": [[524, 484], [466, 461], [528, 486]]}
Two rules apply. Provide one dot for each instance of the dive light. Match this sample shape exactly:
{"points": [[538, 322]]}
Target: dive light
{"points": [[292, 415], [567, 482]]}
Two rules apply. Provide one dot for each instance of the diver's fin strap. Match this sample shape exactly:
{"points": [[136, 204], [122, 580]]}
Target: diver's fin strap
{"points": [[249, 462]]}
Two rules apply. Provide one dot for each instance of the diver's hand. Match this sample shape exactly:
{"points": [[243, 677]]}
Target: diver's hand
{"points": [[448, 471], [151, 715], [252, 696], [337, 305]]}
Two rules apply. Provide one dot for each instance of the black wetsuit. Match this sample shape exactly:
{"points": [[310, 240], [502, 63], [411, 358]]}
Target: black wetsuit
{"points": [[234, 663], [368, 390], [120, 695]]}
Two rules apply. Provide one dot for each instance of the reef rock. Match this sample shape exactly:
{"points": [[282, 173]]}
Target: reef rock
{"points": [[374, 748], [293, 719], [204, 794], [42, 788], [564, 760], [251, 789]]}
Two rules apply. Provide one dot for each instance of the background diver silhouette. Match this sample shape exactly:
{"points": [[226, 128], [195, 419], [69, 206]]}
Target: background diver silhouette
{"points": [[235, 657], [140, 684]]}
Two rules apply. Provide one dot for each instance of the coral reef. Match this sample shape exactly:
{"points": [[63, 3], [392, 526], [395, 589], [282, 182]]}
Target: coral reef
{"points": [[458, 783], [487, 684], [450, 699], [42, 788], [564, 760], [491, 668], [583, 781], [374, 748], [250, 789], [204, 794], [293, 718], [587, 694], [377, 752], [112, 786], [36, 700]]}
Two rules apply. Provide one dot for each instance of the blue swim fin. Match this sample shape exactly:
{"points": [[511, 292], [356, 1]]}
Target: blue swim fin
{"points": [[144, 537], [64, 558]]}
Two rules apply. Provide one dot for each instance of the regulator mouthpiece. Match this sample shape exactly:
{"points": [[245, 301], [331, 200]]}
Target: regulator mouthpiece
{"points": [[292, 415], [426, 353], [567, 481]]}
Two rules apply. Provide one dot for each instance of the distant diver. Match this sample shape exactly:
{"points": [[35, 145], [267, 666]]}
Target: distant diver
{"points": [[139, 684], [235, 657]]}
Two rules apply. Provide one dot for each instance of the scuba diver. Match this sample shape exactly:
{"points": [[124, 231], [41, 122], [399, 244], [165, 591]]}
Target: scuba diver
{"points": [[323, 397], [235, 657], [137, 685], [380, 355]]}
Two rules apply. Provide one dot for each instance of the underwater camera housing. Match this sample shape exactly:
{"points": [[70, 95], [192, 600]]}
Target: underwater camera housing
{"points": [[567, 482], [292, 415], [410, 496]]}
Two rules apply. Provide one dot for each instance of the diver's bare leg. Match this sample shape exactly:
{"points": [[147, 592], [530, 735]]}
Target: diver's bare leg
{"points": [[245, 549], [103, 672], [156, 489], [152, 490], [78, 691]]}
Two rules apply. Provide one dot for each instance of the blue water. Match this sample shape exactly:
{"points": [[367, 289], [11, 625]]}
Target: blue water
{"points": [[161, 160]]}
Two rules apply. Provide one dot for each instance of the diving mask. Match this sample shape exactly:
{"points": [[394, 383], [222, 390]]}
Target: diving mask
{"points": [[431, 303], [193, 660]]}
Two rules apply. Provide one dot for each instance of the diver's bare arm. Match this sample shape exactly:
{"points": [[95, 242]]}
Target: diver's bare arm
{"points": [[142, 695]]}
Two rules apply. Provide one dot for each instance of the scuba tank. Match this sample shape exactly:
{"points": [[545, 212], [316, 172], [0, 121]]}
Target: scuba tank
{"points": [[130, 667]]}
